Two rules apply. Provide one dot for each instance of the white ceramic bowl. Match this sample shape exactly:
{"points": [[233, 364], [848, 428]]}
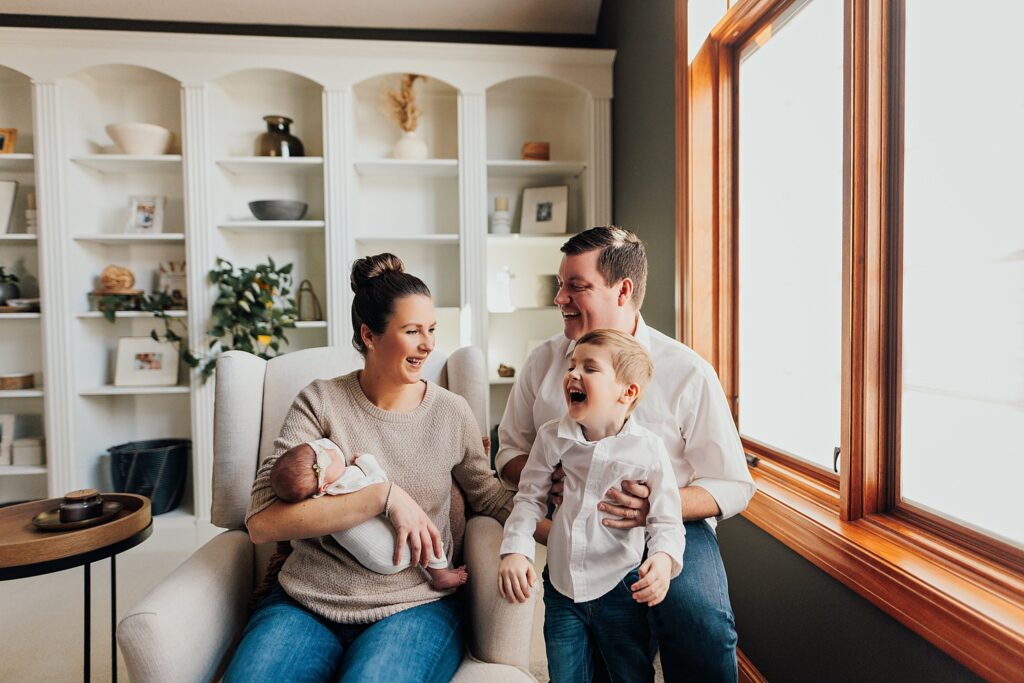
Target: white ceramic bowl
{"points": [[141, 139]]}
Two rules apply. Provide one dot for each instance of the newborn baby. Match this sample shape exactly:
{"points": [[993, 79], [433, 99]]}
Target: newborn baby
{"points": [[315, 468]]}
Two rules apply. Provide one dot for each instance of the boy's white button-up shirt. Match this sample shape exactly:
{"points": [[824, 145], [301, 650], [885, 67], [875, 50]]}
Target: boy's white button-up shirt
{"points": [[586, 559], [684, 405]]}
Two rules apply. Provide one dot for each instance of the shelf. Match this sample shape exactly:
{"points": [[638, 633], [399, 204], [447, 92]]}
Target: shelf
{"points": [[410, 239], [114, 239], [438, 168], [271, 165], [111, 390], [17, 470], [494, 379], [128, 163], [520, 240], [19, 238], [310, 324], [273, 226], [22, 393], [520, 309], [90, 315], [17, 163], [20, 316], [513, 168]]}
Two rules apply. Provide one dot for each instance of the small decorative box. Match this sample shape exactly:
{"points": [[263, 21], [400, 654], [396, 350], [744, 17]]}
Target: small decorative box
{"points": [[536, 151], [16, 380], [28, 451]]}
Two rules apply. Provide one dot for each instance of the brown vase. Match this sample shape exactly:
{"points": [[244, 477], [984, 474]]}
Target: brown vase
{"points": [[278, 141]]}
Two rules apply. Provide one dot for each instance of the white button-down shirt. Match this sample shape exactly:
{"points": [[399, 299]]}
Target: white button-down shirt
{"points": [[684, 405], [586, 559]]}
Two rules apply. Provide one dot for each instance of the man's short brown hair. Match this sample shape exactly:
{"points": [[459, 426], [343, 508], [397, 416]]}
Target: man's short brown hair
{"points": [[623, 255], [630, 360]]}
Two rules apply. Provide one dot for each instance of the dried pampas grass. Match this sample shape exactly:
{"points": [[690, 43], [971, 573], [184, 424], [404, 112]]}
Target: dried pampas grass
{"points": [[401, 104]]}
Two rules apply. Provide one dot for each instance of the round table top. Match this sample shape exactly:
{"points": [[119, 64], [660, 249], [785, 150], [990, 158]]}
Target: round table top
{"points": [[27, 551]]}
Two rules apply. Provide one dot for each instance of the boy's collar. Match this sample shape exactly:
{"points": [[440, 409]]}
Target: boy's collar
{"points": [[642, 335], [569, 428]]}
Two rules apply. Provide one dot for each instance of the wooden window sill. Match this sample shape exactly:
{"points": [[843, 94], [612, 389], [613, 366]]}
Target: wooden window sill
{"points": [[966, 605]]}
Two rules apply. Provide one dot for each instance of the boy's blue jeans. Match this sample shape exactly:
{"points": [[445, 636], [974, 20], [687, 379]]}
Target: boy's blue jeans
{"points": [[614, 625], [285, 642]]}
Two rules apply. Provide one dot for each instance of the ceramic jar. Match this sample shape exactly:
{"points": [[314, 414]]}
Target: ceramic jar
{"points": [[410, 146], [278, 140]]}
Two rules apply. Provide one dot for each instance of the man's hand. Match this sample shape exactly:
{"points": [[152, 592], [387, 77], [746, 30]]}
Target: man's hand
{"points": [[655, 575], [557, 485], [414, 528], [626, 508], [515, 577]]}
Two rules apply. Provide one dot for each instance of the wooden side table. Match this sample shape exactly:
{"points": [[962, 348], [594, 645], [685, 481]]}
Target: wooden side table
{"points": [[27, 551]]}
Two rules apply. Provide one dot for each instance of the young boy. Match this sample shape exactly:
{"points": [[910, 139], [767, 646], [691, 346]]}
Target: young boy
{"points": [[315, 468], [596, 590]]}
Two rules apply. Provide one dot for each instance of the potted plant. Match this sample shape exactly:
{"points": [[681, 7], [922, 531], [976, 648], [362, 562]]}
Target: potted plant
{"points": [[8, 286], [252, 310], [403, 110]]}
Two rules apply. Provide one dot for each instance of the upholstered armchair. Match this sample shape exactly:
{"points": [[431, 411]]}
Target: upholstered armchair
{"points": [[186, 628]]}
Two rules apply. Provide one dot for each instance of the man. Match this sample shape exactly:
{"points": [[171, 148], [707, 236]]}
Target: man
{"points": [[603, 278]]}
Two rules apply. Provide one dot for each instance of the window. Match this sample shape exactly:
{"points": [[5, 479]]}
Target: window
{"points": [[790, 232], [962, 399], [906, 236]]}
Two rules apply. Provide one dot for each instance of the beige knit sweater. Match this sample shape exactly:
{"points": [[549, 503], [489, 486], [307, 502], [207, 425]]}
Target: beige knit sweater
{"points": [[421, 451]]}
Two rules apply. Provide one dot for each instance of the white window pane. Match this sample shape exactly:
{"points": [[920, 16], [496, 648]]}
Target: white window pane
{"points": [[790, 234], [962, 451]]}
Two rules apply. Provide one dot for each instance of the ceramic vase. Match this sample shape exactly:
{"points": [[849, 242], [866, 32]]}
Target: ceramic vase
{"points": [[278, 140], [410, 146]]}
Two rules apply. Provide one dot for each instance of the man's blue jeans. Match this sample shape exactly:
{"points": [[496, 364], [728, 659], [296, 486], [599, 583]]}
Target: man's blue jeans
{"points": [[612, 628], [694, 625], [285, 642]]}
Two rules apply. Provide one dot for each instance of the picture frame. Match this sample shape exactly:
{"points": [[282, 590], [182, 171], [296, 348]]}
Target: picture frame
{"points": [[145, 362], [544, 210], [173, 281], [146, 215], [8, 136]]}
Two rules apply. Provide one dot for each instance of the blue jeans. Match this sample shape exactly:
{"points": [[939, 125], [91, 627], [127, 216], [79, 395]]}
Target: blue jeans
{"points": [[283, 641], [614, 623], [694, 625]]}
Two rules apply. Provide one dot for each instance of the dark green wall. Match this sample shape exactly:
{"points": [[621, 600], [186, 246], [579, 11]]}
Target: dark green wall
{"points": [[795, 622], [644, 139]]}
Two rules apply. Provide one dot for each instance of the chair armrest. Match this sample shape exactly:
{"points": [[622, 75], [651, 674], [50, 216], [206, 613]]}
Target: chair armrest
{"points": [[185, 627], [501, 630]]}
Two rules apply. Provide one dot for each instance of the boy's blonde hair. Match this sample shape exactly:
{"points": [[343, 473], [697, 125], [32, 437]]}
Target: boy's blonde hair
{"points": [[630, 360]]}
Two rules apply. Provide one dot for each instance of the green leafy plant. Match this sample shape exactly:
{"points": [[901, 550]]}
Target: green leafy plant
{"points": [[8, 278], [251, 312]]}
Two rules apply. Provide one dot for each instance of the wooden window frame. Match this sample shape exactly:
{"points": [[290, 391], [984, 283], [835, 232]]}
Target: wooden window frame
{"points": [[958, 588]]}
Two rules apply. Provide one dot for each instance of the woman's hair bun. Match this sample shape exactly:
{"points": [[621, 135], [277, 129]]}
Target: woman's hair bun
{"points": [[369, 267]]}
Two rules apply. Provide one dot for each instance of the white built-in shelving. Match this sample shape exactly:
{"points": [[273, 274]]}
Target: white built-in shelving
{"points": [[480, 103]]}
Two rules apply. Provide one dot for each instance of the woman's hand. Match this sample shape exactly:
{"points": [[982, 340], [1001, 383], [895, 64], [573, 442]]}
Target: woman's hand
{"points": [[515, 577], [413, 527], [655, 575], [628, 508]]}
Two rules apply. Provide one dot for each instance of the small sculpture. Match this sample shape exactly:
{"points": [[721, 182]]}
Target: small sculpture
{"points": [[117, 280], [506, 370]]}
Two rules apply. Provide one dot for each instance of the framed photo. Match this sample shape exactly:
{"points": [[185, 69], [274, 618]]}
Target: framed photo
{"points": [[544, 210], [8, 136], [146, 215], [174, 283], [144, 362]]}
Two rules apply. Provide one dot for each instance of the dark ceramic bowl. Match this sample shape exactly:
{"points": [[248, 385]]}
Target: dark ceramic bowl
{"points": [[278, 209]]}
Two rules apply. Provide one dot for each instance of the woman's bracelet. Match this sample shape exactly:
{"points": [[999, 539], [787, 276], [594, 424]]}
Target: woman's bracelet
{"points": [[387, 500]]}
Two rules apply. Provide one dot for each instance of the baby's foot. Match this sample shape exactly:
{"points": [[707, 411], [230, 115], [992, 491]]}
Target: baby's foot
{"points": [[443, 579]]}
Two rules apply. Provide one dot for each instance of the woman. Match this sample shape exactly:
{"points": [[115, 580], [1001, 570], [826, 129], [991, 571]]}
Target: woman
{"points": [[328, 617]]}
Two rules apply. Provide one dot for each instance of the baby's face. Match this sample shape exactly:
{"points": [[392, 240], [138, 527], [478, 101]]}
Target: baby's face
{"points": [[335, 469], [592, 393]]}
